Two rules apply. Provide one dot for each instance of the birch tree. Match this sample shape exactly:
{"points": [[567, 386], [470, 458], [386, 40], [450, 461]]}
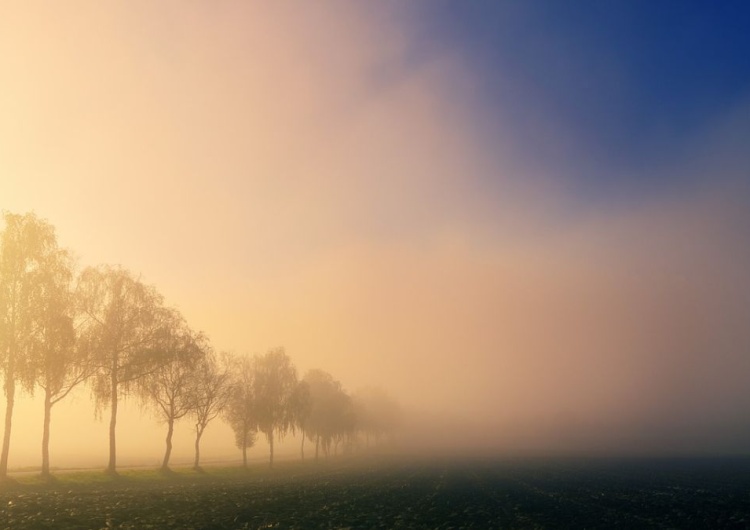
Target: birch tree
{"points": [[274, 384], [241, 411], [301, 407], [26, 242], [58, 362], [211, 391], [125, 321], [331, 416], [167, 388]]}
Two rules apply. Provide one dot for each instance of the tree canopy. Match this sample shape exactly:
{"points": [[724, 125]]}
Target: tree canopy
{"points": [[107, 328], [28, 253], [168, 386], [125, 326], [241, 413], [274, 384]]}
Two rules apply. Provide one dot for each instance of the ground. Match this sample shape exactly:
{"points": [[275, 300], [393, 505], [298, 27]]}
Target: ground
{"points": [[388, 492]]}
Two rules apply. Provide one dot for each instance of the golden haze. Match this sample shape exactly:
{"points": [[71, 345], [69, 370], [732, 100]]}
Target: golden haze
{"points": [[292, 176]]}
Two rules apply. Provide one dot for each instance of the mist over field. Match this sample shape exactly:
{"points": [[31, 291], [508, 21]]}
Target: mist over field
{"points": [[334, 182]]}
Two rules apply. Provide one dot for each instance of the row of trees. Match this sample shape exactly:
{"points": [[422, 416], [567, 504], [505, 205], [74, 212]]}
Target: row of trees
{"points": [[106, 328], [267, 397]]}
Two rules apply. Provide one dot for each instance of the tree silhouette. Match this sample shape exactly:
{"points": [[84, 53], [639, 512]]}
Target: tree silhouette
{"points": [[241, 412], [301, 407], [58, 363], [211, 389], [331, 415], [344, 421], [115, 331], [26, 243], [124, 323], [274, 384], [168, 386]]}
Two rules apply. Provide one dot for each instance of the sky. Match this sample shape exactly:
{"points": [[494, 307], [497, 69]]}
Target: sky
{"points": [[526, 220]]}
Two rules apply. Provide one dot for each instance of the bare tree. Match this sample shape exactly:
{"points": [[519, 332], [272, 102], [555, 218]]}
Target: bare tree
{"points": [[26, 242], [167, 387], [58, 363], [275, 381], [241, 411], [124, 322], [211, 390]]}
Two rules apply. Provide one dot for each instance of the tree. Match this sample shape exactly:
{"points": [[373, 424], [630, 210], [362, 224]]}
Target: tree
{"points": [[57, 362], [124, 322], [26, 243], [331, 416], [241, 412], [344, 421], [301, 406], [274, 384], [211, 391], [167, 387]]}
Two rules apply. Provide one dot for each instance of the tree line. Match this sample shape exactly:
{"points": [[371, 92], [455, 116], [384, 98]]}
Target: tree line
{"points": [[104, 328]]}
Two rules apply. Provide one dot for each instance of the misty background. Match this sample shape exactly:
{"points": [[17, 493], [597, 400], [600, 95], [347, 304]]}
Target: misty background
{"points": [[502, 240]]}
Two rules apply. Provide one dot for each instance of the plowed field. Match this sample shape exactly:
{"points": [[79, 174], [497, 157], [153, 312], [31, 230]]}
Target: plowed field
{"points": [[399, 493]]}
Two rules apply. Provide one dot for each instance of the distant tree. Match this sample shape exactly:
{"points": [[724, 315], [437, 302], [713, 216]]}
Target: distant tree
{"points": [[321, 385], [57, 362], [240, 411], [331, 416], [301, 407], [26, 244], [211, 390], [341, 421], [345, 422], [274, 384], [167, 387], [124, 321], [377, 414]]}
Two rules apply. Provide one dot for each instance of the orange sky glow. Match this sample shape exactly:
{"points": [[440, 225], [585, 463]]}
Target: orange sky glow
{"points": [[286, 177]]}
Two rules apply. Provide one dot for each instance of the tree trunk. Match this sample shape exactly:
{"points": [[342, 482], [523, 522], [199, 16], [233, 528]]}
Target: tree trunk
{"points": [[244, 456], [317, 446], [198, 433], [168, 452], [302, 447], [270, 441], [10, 394], [112, 466], [45, 432]]}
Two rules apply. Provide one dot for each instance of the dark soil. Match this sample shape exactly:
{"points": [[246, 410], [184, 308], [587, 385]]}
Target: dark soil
{"points": [[396, 493]]}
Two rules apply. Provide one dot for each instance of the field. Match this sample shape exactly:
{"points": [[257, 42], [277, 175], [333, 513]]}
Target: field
{"points": [[395, 493]]}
